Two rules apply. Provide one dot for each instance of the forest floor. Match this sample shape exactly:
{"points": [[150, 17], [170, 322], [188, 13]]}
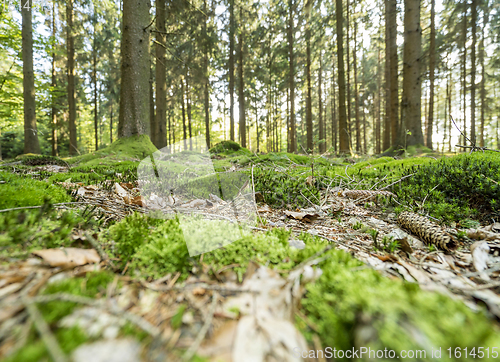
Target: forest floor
{"points": [[349, 253]]}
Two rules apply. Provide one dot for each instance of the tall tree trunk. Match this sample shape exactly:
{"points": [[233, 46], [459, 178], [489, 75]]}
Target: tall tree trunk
{"points": [[393, 70], [189, 116], [231, 68], [347, 44], [135, 68], [111, 123], [432, 65], [309, 125], [73, 144], [205, 77], [356, 94], [483, 74], [464, 70], [241, 88], [387, 74], [334, 111], [474, 6], [31, 144], [152, 117], [412, 87], [343, 132], [183, 108], [322, 136], [449, 111], [94, 78], [378, 104], [291, 75], [159, 132], [53, 110]]}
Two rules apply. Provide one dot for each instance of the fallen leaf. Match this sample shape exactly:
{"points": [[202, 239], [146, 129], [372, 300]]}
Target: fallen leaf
{"points": [[264, 208], [68, 257], [81, 191], [120, 190], [301, 216], [127, 185], [480, 251], [139, 200]]}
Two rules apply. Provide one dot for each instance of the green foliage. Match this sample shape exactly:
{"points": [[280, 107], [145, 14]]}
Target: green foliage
{"points": [[343, 302], [280, 189], [20, 191], [463, 186]]}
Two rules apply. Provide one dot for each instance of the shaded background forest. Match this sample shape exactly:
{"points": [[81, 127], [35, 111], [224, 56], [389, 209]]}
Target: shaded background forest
{"points": [[274, 76]]}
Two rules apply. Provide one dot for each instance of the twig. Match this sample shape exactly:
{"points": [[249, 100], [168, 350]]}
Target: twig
{"points": [[40, 206], [151, 23], [160, 288], [203, 331], [395, 182], [46, 334], [425, 198], [473, 148], [478, 148]]}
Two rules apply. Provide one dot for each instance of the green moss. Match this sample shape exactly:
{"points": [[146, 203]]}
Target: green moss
{"points": [[20, 191], [403, 317], [89, 286], [132, 148]]}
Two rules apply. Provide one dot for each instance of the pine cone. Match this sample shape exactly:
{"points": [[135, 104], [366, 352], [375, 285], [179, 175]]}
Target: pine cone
{"points": [[426, 230]]}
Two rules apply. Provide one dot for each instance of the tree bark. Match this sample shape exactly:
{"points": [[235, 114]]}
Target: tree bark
{"points": [[183, 108], [387, 117], [231, 69], [241, 88], [159, 132], [53, 110], [205, 77], [412, 88], [291, 75], [356, 94], [73, 143], [334, 110], [474, 6], [322, 136], [94, 78], [432, 66], [349, 108], [378, 105], [31, 144], [393, 70], [464, 72], [309, 122], [483, 75], [344, 136], [189, 116], [135, 68]]}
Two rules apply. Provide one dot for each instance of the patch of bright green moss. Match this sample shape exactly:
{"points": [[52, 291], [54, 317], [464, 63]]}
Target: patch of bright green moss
{"points": [[20, 191], [349, 304], [133, 148]]}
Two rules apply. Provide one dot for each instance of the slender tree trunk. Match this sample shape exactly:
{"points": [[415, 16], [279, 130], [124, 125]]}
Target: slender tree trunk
{"points": [[474, 6], [378, 104], [73, 144], [159, 131], [449, 112], [152, 116], [94, 78], [231, 68], [388, 43], [205, 76], [432, 65], [31, 144], [135, 69], [344, 135], [183, 108], [412, 87], [53, 110], [464, 70], [111, 123], [189, 116], [393, 69], [334, 110], [293, 132], [347, 45], [356, 94], [322, 136], [241, 88], [483, 75], [309, 125]]}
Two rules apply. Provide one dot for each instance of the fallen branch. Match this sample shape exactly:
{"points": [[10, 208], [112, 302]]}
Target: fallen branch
{"points": [[474, 148]]}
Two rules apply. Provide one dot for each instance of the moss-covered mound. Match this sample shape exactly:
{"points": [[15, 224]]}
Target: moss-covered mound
{"points": [[20, 191], [133, 148]]}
